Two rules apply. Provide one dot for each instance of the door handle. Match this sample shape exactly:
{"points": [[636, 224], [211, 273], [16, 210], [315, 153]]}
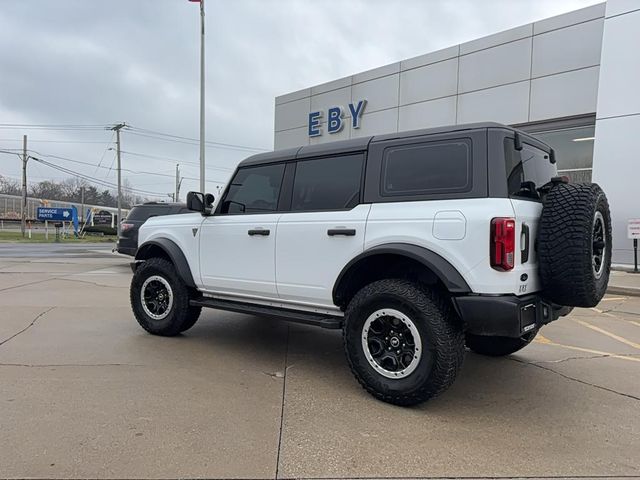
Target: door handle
{"points": [[259, 231], [347, 232]]}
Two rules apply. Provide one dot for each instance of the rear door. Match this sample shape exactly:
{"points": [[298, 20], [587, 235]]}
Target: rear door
{"points": [[324, 229]]}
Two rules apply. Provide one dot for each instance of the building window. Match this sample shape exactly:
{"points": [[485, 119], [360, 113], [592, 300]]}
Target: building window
{"points": [[574, 150]]}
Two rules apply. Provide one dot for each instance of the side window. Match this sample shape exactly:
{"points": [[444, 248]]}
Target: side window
{"points": [[436, 167], [253, 190], [331, 183]]}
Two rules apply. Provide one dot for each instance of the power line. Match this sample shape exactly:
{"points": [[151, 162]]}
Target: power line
{"points": [[188, 141], [231, 145], [93, 179], [173, 160], [52, 141]]}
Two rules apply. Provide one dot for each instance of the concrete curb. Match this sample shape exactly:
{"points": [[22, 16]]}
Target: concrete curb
{"points": [[634, 292]]}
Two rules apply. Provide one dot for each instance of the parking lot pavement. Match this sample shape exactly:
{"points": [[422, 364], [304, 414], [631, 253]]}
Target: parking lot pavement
{"points": [[84, 392]]}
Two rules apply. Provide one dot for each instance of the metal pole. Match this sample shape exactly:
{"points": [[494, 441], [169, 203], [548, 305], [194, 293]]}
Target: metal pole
{"points": [[202, 179], [23, 206], [117, 129], [177, 195], [635, 255]]}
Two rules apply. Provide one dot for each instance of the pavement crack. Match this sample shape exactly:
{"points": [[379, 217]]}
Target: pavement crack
{"points": [[284, 391], [33, 322], [573, 379], [90, 283]]}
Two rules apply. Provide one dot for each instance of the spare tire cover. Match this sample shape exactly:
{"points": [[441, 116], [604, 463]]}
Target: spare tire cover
{"points": [[574, 244]]}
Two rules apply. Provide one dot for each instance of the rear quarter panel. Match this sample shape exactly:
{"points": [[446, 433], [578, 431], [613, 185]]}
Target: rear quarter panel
{"points": [[467, 249]]}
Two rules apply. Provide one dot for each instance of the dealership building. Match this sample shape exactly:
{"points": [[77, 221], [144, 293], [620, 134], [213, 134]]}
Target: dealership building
{"points": [[573, 80]]}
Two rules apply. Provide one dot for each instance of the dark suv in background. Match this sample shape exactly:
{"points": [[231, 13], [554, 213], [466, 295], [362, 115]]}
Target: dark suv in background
{"points": [[128, 240]]}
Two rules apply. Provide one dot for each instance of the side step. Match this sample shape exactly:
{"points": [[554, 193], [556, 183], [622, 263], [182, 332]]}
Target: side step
{"points": [[298, 316]]}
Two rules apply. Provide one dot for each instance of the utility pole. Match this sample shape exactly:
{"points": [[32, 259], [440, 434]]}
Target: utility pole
{"points": [[117, 129], [176, 197], [202, 182], [23, 206]]}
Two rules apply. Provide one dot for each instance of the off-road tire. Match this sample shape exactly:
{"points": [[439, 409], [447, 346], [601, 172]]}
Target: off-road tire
{"points": [[494, 346], [192, 317], [181, 315], [440, 333], [566, 245]]}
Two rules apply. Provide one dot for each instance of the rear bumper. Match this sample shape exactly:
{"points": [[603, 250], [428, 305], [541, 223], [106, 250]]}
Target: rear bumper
{"points": [[506, 315], [127, 246]]}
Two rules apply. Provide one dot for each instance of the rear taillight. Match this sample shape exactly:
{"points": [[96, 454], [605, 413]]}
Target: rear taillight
{"points": [[125, 226], [503, 243]]}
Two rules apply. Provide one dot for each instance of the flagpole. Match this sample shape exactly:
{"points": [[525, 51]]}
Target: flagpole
{"points": [[202, 179]]}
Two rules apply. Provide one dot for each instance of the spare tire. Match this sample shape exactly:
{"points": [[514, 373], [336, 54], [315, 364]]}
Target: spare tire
{"points": [[574, 244]]}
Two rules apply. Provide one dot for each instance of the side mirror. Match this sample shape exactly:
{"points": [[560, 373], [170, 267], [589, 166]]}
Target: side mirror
{"points": [[199, 202], [195, 201]]}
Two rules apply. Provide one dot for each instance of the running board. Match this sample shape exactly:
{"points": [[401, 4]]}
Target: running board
{"points": [[298, 316]]}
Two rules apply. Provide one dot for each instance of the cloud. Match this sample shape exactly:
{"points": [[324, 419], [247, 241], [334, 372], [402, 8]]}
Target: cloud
{"points": [[79, 62]]}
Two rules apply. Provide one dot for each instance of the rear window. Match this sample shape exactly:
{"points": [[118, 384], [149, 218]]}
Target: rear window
{"points": [[143, 212], [435, 167], [530, 164]]}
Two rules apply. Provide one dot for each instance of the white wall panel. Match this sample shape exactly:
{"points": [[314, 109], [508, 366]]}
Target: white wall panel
{"points": [[496, 39], [298, 95], [433, 113], [292, 114], [429, 58], [495, 66], [335, 98], [571, 18], [384, 121], [381, 93], [569, 48], [565, 94], [343, 134], [507, 104], [428, 82], [620, 75]]}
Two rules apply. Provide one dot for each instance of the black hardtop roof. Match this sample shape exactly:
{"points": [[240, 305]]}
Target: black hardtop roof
{"points": [[357, 144], [160, 204]]}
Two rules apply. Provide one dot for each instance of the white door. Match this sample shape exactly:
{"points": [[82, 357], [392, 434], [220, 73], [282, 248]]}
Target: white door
{"points": [[324, 230], [312, 248], [237, 244]]}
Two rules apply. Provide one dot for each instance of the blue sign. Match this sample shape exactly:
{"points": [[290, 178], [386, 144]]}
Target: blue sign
{"points": [[59, 214], [335, 119]]}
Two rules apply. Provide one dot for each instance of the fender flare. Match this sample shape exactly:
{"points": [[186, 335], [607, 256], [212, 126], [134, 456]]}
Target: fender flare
{"points": [[446, 273], [174, 253]]}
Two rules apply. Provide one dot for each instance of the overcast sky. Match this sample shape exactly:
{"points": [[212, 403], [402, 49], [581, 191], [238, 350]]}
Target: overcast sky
{"points": [[96, 62]]}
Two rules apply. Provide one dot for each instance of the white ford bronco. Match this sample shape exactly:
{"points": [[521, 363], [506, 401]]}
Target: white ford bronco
{"points": [[415, 244]]}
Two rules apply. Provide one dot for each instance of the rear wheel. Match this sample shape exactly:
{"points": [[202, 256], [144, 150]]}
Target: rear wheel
{"points": [[160, 299], [403, 342], [497, 346]]}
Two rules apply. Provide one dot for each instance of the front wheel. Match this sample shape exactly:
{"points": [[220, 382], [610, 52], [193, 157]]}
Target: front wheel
{"points": [[160, 299], [497, 346], [403, 342]]}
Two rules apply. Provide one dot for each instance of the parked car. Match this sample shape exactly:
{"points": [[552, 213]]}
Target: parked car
{"points": [[415, 244], [128, 240]]}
